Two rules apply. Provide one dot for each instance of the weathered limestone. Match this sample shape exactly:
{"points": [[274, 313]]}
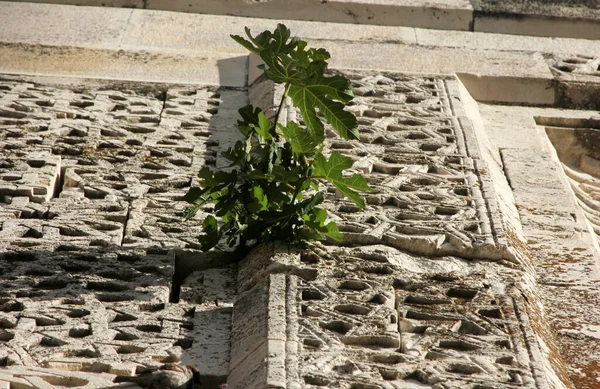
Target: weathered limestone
{"points": [[296, 320], [264, 338], [197, 49], [88, 263], [377, 298], [575, 18], [578, 80], [441, 14], [559, 237], [474, 265]]}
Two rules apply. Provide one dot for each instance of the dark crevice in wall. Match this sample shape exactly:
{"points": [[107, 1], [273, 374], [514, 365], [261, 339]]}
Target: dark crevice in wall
{"points": [[504, 170], [125, 223], [60, 182]]}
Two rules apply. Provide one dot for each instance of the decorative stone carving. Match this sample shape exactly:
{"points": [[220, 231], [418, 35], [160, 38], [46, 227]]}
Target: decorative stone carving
{"points": [[417, 294], [576, 146], [577, 64], [91, 182], [425, 290]]}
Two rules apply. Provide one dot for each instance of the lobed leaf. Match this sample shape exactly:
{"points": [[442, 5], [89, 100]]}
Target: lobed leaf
{"points": [[300, 139], [265, 196], [210, 237], [321, 92], [261, 202], [332, 170], [317, 228], [264, 126]]}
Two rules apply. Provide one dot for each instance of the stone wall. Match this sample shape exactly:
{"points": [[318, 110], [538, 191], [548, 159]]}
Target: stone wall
{"points": [[433, 286], [474, 265], [91, 186]]}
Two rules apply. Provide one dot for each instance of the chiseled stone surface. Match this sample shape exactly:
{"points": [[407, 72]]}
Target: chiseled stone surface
{"points": [[421, 293], [433, 285], [571, 18], [554, 204], [577, 78], [581, 65], [92, 180]]}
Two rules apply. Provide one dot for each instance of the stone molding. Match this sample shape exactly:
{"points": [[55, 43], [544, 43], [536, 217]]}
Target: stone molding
{"points": [[264, 337], [433, 285], [536, 18]]}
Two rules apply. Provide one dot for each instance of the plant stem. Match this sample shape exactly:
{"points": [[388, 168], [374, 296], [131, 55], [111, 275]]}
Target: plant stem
{"points": [[279, 109], [275, 137]]}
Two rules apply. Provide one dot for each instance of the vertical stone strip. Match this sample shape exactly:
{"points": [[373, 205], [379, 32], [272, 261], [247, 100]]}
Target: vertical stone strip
{"points": [[292, 342], [546, 365], [486, 162], [264, 337], [263, 342], [264, 93]]}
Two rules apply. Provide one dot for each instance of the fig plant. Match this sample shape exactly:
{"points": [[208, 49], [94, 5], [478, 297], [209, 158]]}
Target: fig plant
{"points": [[271, 190]]}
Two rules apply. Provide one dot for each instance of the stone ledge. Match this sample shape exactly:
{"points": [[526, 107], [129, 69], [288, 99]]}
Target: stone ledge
{"points": [[439, 14], [530, 18], [536, 25], [113, 64]]}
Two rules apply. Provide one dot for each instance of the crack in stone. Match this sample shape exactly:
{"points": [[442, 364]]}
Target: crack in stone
{"points": [[163, 96], [124, 233]]}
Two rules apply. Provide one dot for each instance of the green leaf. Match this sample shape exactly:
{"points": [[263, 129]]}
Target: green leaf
{"points": [[197, 197], [236, 154], [280, 37], [332, 170], [282, 174], [267, 194], [264, 126], [261, 40], [316, 217], [261, 201], [193, 209], [307, 205], [258, 175], [301, 140], [193, 195], [249, 115], [206, 177], [281, 69], [256, 44], [320, 92], [218, 179], [249, 119], [317, 228], [226, 201], [309, 233], [319, 54], [247, 44], [276, 41], [210, 237], [333, 232]]}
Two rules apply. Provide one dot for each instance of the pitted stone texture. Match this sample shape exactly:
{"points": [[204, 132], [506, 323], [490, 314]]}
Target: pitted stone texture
{"points": [[34, 175], [378, 317], [89, 309], [420, 293], [32, 377], [91, 188], [136, 151], [64, 221], [577, 78], [264, 337], [108, 310], [577, 65], [429, 187]]}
